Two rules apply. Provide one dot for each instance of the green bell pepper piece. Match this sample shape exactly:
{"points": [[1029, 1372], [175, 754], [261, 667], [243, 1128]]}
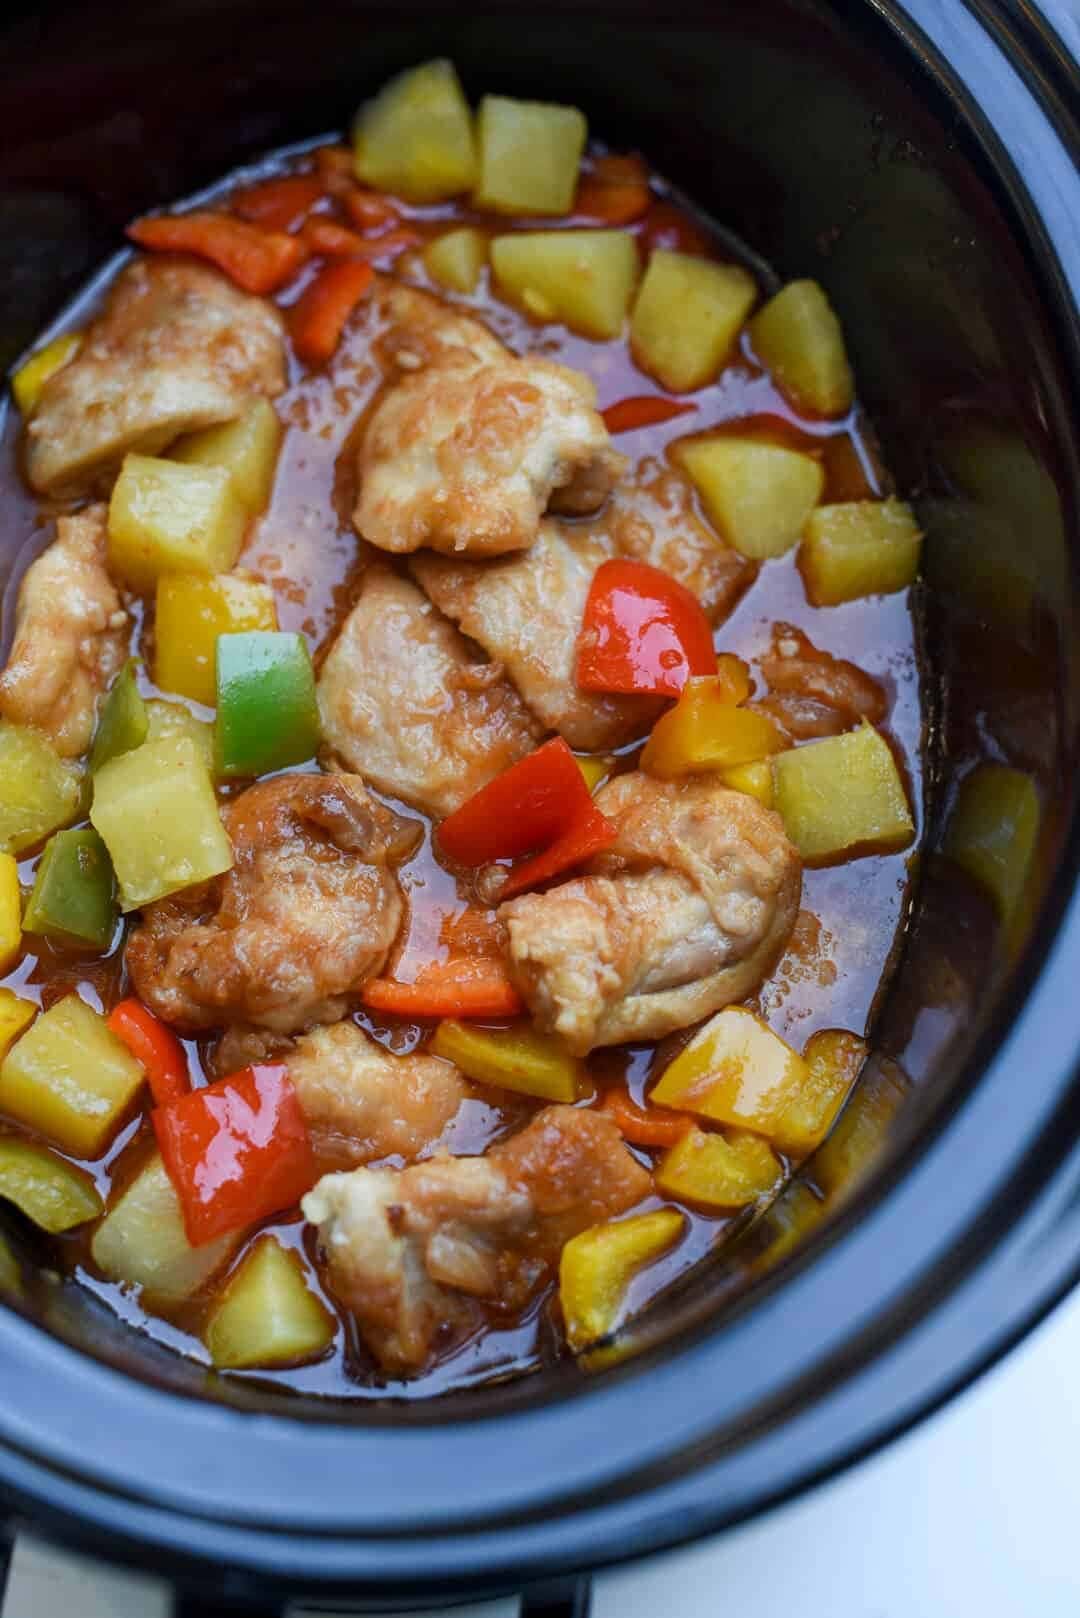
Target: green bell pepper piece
{"points": [[267, 713], [123, 724], [74, 896], [54, 1194]]}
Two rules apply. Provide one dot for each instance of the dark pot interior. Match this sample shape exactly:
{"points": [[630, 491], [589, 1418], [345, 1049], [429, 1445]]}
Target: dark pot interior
{"points": [[824, 141]]}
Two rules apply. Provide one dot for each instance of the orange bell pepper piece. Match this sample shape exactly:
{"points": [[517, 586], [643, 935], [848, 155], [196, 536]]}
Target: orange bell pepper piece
{"points": [[706, 730], [156, 1047], [327, 239], [280, 204], [645, 1126], [260, 261], [318, 318]]}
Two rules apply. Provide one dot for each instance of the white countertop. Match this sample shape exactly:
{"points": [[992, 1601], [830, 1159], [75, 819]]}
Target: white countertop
{"points": [[975, 1513]]}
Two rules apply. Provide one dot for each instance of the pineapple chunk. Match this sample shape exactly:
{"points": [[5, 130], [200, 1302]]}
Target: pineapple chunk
{"points": [[169, 722], [991, 834], [165, 517], [798, 338], [860, 548], [247, 448], [755, 779], [758, 496], [268, 1314], [719, 1171], [55, 1195], [530, 153], [70, 1079], [416, 138], [142, 1240], [156, 810], [456, 259], [598, 1265], [16, 1015], [687, 316], [10, 911], [39, 791], [29, 379], [842, 793], [737, 1071], [583, 277], [861, 1129]]}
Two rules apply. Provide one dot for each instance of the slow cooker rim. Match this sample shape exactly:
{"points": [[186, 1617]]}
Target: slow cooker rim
{"points": [[82, 1510]]}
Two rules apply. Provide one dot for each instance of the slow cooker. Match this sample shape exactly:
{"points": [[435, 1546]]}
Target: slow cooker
{"points": [[919, 158]]}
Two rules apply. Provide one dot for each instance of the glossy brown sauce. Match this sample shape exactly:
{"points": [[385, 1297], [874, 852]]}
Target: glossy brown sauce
{"points": [[305, 548]]}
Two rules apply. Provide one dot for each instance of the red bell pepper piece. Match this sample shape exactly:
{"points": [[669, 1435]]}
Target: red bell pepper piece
{"points": [[525, 808], [456, 988], [586, 836], [645, 1126], [156, 1047], [644, 410], [260, 261], [236, 1152], [280, 204], [643, 631], [317, 318]]}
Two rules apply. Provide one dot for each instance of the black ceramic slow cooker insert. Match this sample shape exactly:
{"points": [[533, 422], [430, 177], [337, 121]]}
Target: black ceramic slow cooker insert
{"points": [[918, 157]]}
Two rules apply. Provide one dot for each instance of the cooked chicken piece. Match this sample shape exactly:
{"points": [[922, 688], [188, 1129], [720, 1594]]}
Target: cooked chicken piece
{"points": [[410, 1251], [684, 913], [404, 701], [178, 347], [470, 445], [363, 1103], [526, 611], [308, 913], [71, 633], [814, 694]]}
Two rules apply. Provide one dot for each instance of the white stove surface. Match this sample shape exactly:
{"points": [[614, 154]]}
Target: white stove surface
{"points": [[975, 1513]]}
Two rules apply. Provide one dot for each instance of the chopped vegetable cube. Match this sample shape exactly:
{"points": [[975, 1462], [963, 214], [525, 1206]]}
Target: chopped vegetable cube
{"points": [[582, 277], [70, 1079], [260, 261], [456, 258], [530, 153], [236, 1151], [157, 812], [598, 1265], [267, 713], [142, 1240], [155, 1047], [719, 1171], [736, 1071], [246, 448], [15, 1016], [39, 791], [798, 338], [841, 794], [758, 496], [687, 317], [73, 901], [268, 1315], [834, 1059], [416, 138], [10, 911], [642, 631], [30, 378], [859, 548], [165, 517], [54, 1194], [513, 1058], [169, 722], [192, 612], [992, 834], [123, 723], [706, 731], [755, 779]]}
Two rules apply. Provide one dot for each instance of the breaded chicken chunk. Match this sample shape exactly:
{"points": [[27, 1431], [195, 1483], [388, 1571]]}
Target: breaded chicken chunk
{"points": [[177, 348], [71, 634], [684, 913]]}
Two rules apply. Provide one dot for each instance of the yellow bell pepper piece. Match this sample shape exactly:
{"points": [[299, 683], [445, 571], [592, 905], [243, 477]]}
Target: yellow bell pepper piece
{"points": [[755, 779], [513, 1058], [192, 611], [737, 1071], [842, 793], [29, 379], [719, 1171], [594, 769], [733, 678], [54, 1194], [597, 1267], [706, 731], [992, 833], [268, 1315], [10, 911], [15, 1016]]}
